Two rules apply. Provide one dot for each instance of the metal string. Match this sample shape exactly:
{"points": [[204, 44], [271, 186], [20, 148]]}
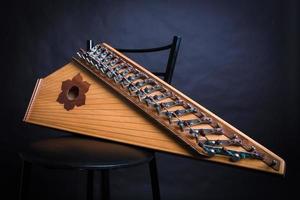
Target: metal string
{"points": [[107, 60]]}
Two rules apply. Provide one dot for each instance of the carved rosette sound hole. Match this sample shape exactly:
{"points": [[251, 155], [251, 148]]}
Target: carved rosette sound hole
{"points": [[73, 92]]}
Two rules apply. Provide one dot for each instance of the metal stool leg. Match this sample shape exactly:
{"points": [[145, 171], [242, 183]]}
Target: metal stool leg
{"points": [[154, 179], [90, 185], [25, 179], [105, 184]]}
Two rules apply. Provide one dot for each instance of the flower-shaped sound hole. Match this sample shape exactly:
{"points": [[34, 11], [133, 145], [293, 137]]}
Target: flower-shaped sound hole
{"points": [[73, 92]]}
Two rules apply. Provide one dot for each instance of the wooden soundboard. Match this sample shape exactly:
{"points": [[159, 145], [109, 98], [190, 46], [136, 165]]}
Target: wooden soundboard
{"points": [[95, 107]]}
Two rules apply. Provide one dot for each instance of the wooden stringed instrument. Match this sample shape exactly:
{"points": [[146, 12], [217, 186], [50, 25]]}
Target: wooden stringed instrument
{"points": [[103, 93]]}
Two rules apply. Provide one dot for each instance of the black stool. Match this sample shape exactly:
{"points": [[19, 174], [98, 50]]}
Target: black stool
{"points": [[86, 153], [91, 154]]}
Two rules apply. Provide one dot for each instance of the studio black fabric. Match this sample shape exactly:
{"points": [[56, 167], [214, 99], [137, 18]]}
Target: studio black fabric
{"points": [[90, 154]]}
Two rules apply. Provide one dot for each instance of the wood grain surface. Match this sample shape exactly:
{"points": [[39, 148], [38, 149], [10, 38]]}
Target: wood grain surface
{"points": [[108, 115]]}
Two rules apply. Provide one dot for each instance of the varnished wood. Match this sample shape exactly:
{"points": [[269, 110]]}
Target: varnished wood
{"points": [[108, 115], [228, 130]]}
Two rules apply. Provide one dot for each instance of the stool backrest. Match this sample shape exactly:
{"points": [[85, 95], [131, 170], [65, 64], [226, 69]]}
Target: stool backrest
{"points": [[173, 52]]}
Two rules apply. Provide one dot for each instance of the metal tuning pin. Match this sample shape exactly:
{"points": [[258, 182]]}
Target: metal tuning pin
{"points": [[108, 58], [169, 115], [233, 138], [163, 96], [106, 68], [102, 55], [127, 70], [178, 113], [149, 90], [235, 142], [133, 87], [147, 81], [165, 105], [103, 68], [236, 155], [157, 108], [114, 61], [247, 146], [125, 82], [209, 151], [82, 54], [79, 54], [273, 163], [92, 61], [90, 48], [186, 111], [96, 51], [192, 122], [149, 101], [140, 94], [205, 131], [118, 78], [232, 154], [138, 75], [194, 132], [112, 73], [120, 66], [171, 104]]}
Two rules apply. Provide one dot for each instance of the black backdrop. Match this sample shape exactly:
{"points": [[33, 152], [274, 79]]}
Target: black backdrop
{"points": [[238, 58]]}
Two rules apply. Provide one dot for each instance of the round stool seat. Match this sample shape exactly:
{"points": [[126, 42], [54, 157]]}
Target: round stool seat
{"points": [[84, 153]]}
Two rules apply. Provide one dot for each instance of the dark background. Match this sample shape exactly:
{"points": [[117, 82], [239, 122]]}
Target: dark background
{"points": [[239, 59]]}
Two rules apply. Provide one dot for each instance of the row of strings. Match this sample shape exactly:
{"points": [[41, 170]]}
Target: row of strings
{"points": [[148, 91]]}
